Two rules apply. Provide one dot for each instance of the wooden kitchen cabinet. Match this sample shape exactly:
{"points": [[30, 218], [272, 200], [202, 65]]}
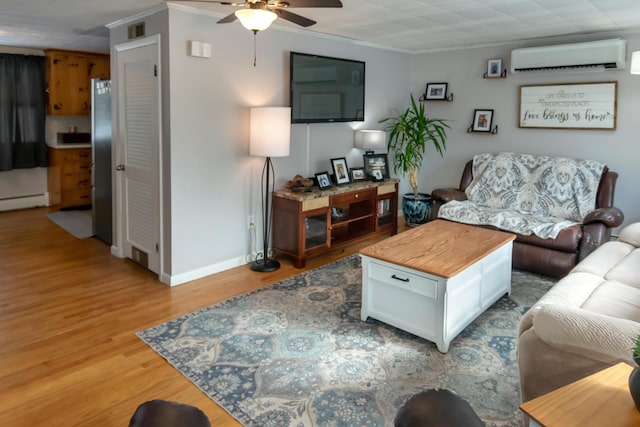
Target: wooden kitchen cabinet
{"points": [[306, 225], [69, 77], [69, 177]]}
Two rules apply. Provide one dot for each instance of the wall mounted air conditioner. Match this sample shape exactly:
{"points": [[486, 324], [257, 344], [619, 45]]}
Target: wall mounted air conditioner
{"points": [[574, 57]]}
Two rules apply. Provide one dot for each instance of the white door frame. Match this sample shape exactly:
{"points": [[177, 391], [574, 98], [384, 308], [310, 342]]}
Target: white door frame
{"points": [[118, 247]]}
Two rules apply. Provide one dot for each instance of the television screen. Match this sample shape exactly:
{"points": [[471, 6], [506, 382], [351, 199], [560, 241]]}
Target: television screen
{"points": [[326, 89]]}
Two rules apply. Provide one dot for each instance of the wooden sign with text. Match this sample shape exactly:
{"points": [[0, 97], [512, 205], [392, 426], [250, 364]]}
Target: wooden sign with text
{"points": [[569, 106]]}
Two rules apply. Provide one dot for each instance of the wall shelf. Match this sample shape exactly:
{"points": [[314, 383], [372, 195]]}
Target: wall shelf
{"points": [[493, 131], [502, 75], [449, 98]]}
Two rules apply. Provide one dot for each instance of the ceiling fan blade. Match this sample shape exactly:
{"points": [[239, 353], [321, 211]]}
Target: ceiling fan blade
{"points": [[309, 3], [229, 18], [293, 17]]}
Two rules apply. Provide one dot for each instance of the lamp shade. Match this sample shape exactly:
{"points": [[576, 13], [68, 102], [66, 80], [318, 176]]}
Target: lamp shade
{"points": [[255, 19], [635, 62], [370, 139], [269, 131]]}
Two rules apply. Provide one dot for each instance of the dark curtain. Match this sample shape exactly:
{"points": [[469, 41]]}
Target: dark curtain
{"points": [[22, 112]]}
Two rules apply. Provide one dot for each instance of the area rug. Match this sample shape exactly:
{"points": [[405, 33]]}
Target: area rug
{"points": [[297, 354], [77, 222]]}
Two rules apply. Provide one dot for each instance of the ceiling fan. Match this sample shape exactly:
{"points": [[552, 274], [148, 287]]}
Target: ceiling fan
{"points": [[258, 15]]}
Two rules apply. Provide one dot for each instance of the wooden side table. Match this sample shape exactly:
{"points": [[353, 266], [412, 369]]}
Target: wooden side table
{"points": [[601, 399]]}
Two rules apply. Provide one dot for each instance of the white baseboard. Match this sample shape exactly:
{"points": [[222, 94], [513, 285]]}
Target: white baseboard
{"points": [[199, 273], [24, 202]]}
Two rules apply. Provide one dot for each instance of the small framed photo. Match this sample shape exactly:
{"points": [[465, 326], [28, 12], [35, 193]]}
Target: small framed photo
{"points": [[340, 170], [494, 68], [323, 180], [376, 175], [376, 162], [358, 174], [436, 91], [482, 120]]}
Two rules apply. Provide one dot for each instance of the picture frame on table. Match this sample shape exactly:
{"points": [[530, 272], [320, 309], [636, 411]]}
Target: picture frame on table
{"points": [[482, 120], [376, 162], [340, 170], [436, 91], [323, 180], [494, 67], [358, 174], [376, 175]]}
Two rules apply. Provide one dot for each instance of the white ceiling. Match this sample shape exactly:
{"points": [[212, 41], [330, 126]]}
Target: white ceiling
{"points": [[405, 25]]}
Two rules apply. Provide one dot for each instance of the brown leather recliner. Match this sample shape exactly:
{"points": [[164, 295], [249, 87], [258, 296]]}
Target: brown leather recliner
{"points": [[553, 257]]}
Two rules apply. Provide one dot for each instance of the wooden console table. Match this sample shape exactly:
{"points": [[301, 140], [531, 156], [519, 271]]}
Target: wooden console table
{"points": [[310, 224]]}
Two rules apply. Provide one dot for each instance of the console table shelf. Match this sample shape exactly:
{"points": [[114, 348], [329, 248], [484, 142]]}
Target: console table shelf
{"points": [[310, 224]]}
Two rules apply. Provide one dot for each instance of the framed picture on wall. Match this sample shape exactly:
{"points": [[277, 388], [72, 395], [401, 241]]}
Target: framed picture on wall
{"points": [[340, 170], [436, 91], [482, 120], [494, 67]]}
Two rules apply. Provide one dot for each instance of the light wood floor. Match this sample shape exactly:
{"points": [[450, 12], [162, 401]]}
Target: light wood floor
{"points": [[68, 314]]}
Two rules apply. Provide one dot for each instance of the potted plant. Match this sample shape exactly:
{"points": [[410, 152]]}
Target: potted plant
{"points": [[634, 378], [409, 134]]}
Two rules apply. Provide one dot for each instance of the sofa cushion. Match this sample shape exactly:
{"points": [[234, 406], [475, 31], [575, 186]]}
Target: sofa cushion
{"points": [[600, 262], [469, 212], [626, 271], [542, 186], [572, 291], [615, 299], [631, 234], [567, 240]]}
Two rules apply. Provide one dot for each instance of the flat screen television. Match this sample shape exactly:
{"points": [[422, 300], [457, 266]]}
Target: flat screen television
{"points": [[324, 89]]}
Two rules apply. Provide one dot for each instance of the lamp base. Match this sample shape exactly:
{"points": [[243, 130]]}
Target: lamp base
{"points": [[265, 265]]}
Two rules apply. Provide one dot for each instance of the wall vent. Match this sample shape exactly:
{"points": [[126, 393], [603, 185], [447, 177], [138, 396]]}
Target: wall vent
{"points": [[140, 257], [136, 30]]}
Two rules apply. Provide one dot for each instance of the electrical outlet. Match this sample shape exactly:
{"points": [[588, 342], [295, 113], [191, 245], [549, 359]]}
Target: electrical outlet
{"points": [[251, 221]]}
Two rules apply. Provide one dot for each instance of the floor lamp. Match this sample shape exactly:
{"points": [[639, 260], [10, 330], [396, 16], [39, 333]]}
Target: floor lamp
{"points": [[269, 134]]}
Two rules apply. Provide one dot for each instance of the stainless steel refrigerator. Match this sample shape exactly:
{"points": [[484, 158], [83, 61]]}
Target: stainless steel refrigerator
{"points": [[101, 190]]}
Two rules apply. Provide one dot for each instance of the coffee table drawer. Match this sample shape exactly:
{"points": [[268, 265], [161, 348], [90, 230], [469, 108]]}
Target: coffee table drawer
{"points": [[403, 279]]}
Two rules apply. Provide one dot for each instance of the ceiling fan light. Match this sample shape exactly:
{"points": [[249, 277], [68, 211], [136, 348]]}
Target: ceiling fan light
{"points": [[255, 19]]}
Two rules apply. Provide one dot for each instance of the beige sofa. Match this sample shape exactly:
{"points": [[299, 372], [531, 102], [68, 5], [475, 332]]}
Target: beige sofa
{"points": [[586, 322]]}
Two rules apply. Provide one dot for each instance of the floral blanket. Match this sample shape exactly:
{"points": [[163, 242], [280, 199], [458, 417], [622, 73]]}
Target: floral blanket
{"points": [[527, 194]]}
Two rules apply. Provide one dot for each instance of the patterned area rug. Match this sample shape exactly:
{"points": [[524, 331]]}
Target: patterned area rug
{"points": [[297, 354]]}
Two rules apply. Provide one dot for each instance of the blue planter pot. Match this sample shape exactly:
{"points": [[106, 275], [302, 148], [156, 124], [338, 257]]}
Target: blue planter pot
{"points": [[416, 211], [634, 383]]}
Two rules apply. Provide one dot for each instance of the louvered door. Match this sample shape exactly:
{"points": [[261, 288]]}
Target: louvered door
{"points": [[139, 114]]}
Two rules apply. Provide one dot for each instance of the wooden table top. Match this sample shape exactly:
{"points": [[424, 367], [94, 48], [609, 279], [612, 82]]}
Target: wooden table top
{"points": [[601, 399], [442, 248]]}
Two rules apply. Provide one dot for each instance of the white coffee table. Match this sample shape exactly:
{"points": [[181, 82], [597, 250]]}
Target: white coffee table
{"points": [[435, 279]]}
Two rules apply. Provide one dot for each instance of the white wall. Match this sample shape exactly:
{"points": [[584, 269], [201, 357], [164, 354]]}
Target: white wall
{"points": [[463, 71], [215, 183], [211, 184]]}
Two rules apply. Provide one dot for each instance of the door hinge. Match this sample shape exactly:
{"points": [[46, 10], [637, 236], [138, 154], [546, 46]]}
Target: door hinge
{"points": [[155, 71], [157, 248]]}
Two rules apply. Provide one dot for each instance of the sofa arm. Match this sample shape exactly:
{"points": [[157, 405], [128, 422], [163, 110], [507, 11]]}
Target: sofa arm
{"points": [[445, 195], [586, 333], [611, 217]]}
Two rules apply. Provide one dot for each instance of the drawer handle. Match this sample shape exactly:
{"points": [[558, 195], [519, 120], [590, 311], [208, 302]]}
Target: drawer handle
{"points": [[406, 280], [356, 196]]}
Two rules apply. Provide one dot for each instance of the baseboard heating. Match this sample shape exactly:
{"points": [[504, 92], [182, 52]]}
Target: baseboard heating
{"points": [[24, 202]]}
